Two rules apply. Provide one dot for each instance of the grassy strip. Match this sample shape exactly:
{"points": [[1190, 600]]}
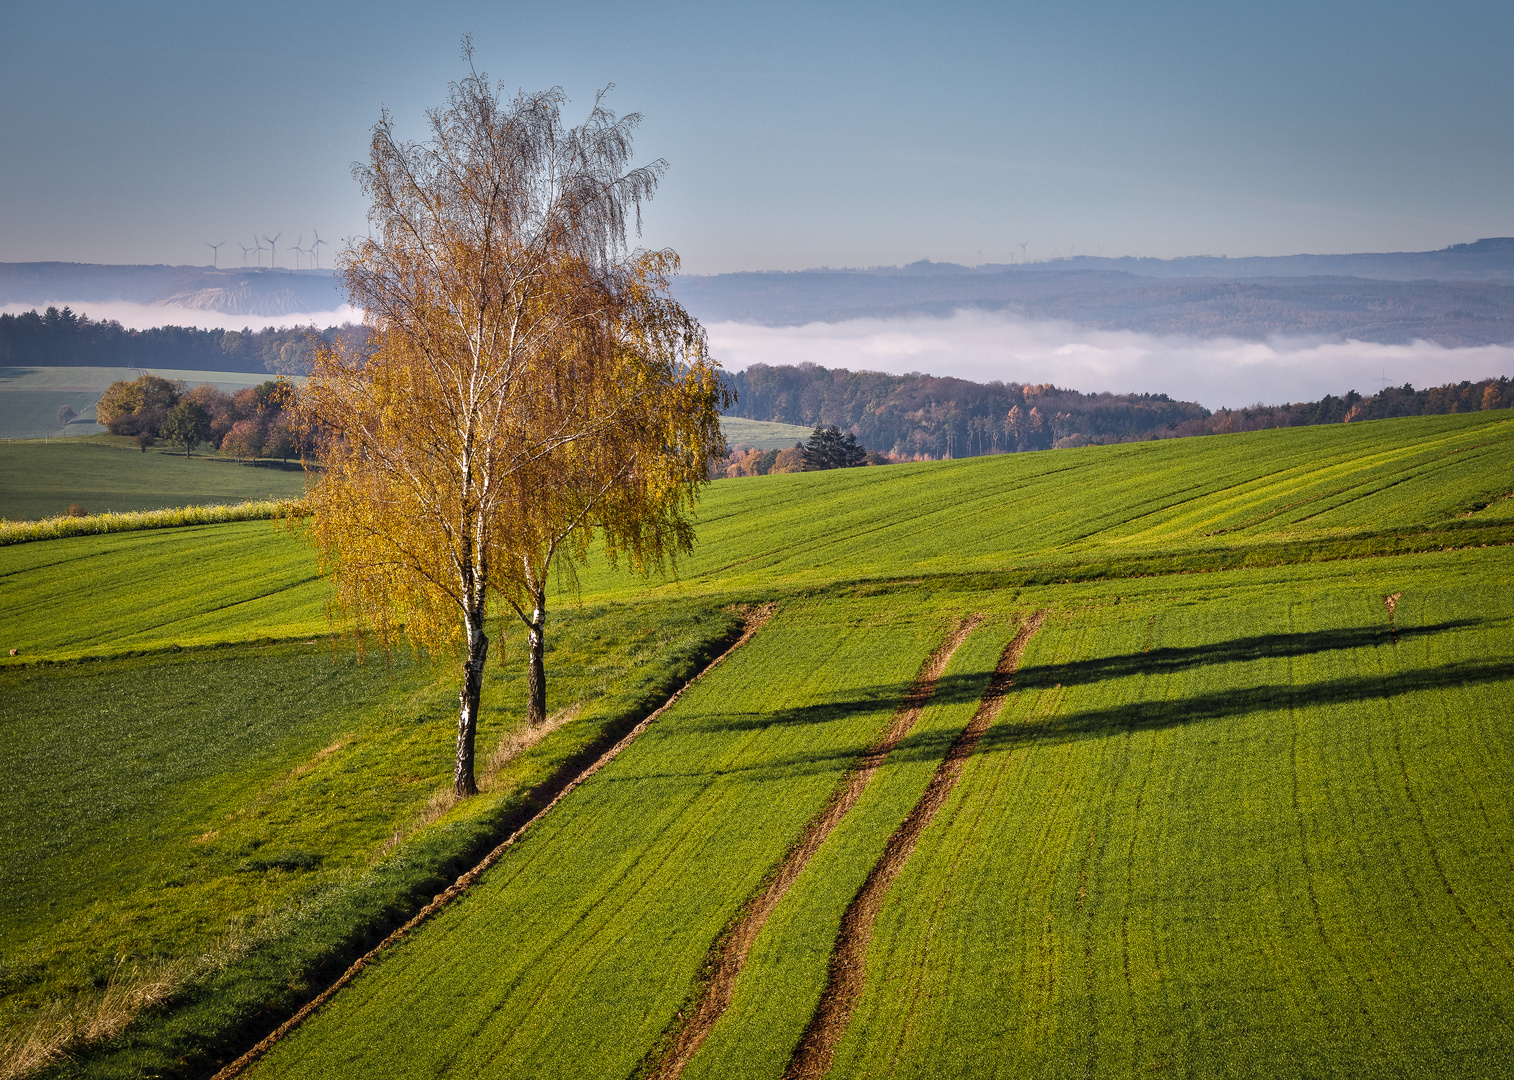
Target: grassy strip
{"points": [[226, 1010], [55, 528]]}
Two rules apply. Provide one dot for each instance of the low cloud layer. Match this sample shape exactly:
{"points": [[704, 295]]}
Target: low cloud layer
{"points": [[144, 316], [1217, 372], [983, 346]]}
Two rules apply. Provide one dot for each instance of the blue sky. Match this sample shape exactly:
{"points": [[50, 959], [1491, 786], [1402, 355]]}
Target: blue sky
{"points": [[798, 135]]}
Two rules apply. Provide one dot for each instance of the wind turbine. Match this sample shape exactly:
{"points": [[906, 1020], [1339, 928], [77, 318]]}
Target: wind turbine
{"points": [[215, 253], [259, 245], [1023, 245], [273, 249], [245, 250], [315, 248], [298, 251]]}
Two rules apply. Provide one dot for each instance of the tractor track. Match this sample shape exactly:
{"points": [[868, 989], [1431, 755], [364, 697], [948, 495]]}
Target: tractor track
{"points": [[728, 954], [848, 967]]}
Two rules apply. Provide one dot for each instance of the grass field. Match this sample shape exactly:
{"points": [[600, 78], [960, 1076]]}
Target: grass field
{"points": [[762, 434], [1236, 817], [1184, 505], [263, 784], [1263, 832], [42, 479], [30, 398]]}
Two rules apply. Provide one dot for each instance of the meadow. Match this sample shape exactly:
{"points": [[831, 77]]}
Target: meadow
{"points": [[762, 434], [1240, 805], [104, 473]]}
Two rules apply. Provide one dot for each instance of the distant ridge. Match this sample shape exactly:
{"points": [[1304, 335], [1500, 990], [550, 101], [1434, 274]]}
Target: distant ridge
{"points": [[238, 291], [1462, 295], [1459, 296], [1490, 259]]}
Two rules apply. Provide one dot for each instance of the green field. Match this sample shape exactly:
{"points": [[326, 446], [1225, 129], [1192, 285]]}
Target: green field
{"points": [[1238, 816], [31, 396], [1236, 830], [762, 434], [283, 801], [104, 473], [1254, 832]]}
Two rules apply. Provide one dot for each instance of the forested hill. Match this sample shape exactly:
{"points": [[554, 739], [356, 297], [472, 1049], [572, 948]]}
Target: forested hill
{"points": [[55, 338], [923, 415], [908, 416]]}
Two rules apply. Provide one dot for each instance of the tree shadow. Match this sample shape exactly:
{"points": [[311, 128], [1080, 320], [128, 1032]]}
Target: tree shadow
{"points": [[1157, 714], [1256, 647], [1144, 714]]}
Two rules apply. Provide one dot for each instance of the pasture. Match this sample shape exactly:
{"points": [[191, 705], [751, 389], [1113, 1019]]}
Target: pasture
{"points": [[762, 434], [1223, 809], [105, 473]]}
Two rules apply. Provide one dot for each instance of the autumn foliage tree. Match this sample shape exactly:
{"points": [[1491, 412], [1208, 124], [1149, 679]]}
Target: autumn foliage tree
{"points": [[529, 387]]}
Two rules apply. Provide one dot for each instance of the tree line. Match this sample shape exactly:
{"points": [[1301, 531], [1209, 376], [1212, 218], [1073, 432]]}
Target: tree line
{"points": [[253, 422], [908, 417], [915, 417], [61, 338], [1386, 404]]}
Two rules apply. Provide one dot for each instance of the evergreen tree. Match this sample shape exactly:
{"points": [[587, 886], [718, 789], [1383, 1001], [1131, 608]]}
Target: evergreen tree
{"points": [[827, 448]]}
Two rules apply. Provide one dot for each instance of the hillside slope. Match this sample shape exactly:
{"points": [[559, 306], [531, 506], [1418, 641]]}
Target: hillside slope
{"points": [[1190, 755]]}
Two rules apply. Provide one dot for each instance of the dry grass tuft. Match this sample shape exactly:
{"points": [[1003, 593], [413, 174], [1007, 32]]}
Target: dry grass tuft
{"points": [[60, 1028], [516, 742]]}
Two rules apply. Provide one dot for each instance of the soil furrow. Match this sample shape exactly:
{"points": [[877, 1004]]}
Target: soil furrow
{"points": [[848, 968], [754, 621], [729, 952]]}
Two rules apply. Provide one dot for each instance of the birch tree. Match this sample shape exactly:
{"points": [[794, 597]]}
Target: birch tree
{"points": [[529, 385]]}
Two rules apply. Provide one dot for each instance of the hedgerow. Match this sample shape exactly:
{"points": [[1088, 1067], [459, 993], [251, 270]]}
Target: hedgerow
{"points": [[54, 528]]}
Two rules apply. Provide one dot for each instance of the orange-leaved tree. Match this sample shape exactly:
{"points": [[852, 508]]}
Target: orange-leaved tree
{"points": [[529, 383]]}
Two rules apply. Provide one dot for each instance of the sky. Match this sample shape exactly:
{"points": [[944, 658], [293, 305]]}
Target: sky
{"points": [[798, 135]]}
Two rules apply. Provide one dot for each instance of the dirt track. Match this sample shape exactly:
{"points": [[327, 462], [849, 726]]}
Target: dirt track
{"points": [[729, 952], [848, 967]]}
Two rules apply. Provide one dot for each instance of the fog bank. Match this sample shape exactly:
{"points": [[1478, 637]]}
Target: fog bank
{"points": [[1218, 372]]}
